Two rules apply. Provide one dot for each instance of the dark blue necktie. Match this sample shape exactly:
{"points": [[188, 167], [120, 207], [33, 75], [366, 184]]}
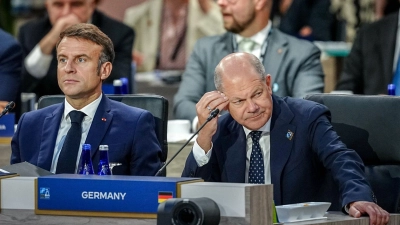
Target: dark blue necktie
{"points": [[396, 77], [256, 169], [69, 152]]}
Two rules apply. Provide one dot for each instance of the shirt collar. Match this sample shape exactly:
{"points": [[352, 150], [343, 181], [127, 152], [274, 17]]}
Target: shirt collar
{"points": [[265, 129], [259, 37], [89, 110]]}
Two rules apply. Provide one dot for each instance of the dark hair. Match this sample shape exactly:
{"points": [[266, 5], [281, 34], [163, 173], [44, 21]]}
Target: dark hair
{"points": [[91, 33]]}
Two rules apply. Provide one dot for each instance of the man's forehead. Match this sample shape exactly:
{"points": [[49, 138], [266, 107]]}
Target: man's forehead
{"points": [[70, 44], [243, 89]]}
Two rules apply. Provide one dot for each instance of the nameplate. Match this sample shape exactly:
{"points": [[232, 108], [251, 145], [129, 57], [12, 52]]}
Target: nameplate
{"points": [[120, 196]]}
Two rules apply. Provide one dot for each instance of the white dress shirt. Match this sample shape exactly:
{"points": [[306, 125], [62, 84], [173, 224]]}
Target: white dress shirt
{"points": [[37, 63], [259, 38], [65, 124], [202, 158]]}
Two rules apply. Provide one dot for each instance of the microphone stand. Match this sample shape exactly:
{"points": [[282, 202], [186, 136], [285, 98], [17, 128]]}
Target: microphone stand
{"points": [[213, 114]]}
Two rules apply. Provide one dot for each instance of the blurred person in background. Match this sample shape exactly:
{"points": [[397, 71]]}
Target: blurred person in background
{"points": [[306, 19], [357, 13], [39, 37], [10, 69], [168, 29], [373, 62]]}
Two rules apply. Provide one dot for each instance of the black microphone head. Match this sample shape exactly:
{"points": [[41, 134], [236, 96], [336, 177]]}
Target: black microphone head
{"points": [[8, 107], [213, 114], [11, 105]]}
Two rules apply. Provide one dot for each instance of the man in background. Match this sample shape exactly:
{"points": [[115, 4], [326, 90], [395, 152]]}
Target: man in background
{"points": [[293, 63], [51, 138], [168, 29], [307, 19], [373, 62], [39, 37], [10, 69]]}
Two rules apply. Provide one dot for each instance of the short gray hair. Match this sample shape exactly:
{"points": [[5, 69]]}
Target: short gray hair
{"points": [[254, 62]]}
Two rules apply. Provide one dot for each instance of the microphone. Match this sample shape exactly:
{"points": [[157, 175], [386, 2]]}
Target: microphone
{"points": [[8, 107], [212, 115]]}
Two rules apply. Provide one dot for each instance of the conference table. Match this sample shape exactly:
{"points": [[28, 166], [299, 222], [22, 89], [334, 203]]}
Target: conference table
{"points": [[174, 169], [18, 216], [29, 217]]}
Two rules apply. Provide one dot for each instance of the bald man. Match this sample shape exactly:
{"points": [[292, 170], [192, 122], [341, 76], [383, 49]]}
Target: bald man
{"points": [[266, 139]]}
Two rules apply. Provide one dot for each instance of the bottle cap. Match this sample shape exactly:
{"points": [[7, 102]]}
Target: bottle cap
{"points": [[103, 147], [86, 147], [391, 89], [117, 82]]}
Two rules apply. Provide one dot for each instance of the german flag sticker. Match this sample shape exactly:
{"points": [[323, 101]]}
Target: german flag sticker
{"points": [[164, 195]]}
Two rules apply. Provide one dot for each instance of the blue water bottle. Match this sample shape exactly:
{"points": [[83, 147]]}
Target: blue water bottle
{"points": [[85, 165], [391, 89], [125, 85], [103, 167], [117, 83]]}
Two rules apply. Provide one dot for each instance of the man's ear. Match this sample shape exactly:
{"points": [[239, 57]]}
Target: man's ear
{"points": [[105, 70], [261, 4], [268, 83]]}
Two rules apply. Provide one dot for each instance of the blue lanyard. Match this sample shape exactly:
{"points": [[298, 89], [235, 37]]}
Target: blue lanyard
{"points": [[263, 46]]}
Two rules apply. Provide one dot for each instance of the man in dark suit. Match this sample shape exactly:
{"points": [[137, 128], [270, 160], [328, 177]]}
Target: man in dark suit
{"points": [[10, 69], [373, 58], [294, 64], [85, 57], [295, 141], [38, 39], [307, 19]]}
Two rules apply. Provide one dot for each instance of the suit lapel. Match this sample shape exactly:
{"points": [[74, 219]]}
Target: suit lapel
{"points": [[235, 163], [276, 51], [101, 122], [49, 136], [282, 137], [227, 38]]}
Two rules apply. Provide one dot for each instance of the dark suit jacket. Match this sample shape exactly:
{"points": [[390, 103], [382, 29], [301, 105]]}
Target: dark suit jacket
{"points": [[369, 67], [128, 132], [313, 13], [10, 67], [294, 66], [121, 35], [297, 165]]}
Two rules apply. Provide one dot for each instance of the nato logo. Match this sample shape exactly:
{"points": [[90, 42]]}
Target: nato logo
{"points": [[44, 193]]}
